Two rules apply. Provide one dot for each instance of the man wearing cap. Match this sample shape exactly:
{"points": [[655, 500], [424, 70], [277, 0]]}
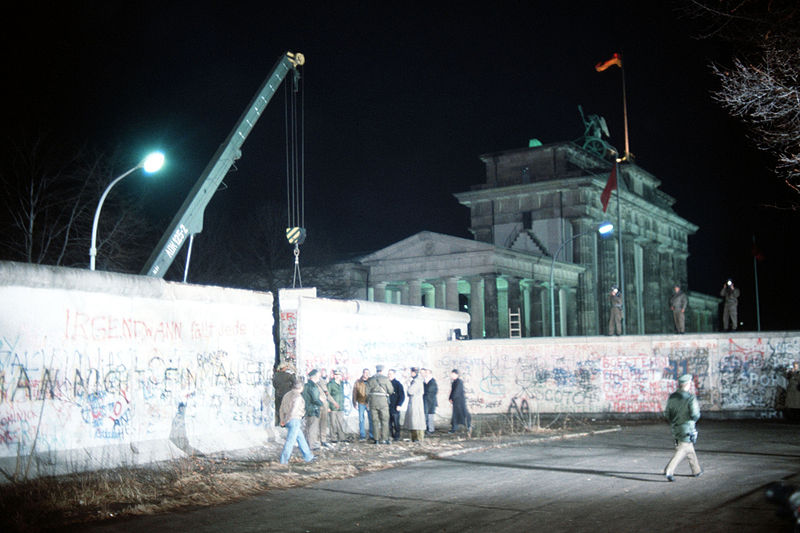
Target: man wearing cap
{"points": [[396, 399], [615, 316], [677, 303], [336, 404], [730, 311], [313, 404], [415, 412], [378, 390], [682, 412]]}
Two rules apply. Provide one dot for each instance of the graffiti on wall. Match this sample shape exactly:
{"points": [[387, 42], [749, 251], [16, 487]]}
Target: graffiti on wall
{"points": [[89, 374]]}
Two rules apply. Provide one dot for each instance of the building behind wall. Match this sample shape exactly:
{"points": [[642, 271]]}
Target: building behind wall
{"points": [[534, 200]]}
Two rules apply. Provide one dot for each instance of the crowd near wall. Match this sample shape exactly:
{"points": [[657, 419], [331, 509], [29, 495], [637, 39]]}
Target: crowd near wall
{"points": [[350, 335], [101, 369]]}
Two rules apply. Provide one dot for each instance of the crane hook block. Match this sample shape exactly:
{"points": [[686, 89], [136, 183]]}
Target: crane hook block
{"points": [[297, 59], [296, 235]]}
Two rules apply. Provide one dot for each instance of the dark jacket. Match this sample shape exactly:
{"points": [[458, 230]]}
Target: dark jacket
{"points": [[459, 402], [682, 412], [398, 397], [431, 403], [678, 301], [311, 397]]}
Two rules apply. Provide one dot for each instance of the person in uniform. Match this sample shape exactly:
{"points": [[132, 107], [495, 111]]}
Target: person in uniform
{"points": [[395, 401], [615, 315], [336, 404], [682, 412], [677, 303], [379, 388], [730, 309], [415, 413]]}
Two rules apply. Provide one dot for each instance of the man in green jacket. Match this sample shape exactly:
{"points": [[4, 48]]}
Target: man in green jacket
{"points": [[313, 403], [336, 403], [379, 388], [682, 412]]}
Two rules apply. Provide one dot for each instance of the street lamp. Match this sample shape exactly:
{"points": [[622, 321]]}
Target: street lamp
{"points": [[603, 229], [152, 163]]}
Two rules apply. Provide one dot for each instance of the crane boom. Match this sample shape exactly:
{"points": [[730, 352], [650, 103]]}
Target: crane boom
{"points": [[189, 219]]}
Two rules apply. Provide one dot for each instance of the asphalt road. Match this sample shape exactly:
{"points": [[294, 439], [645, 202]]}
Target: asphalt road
{"points": [[605, 482]]}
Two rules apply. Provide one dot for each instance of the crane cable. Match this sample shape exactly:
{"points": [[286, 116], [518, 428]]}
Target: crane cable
{"points": [[295, 171]]}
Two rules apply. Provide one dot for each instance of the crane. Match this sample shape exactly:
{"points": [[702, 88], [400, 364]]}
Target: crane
{"points": [[188, 221]]}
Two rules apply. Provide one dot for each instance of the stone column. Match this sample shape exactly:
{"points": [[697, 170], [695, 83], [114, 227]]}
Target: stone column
{"points": [[440, 286], [451, 294], [490, 311], [379, 292], [413, 292], [476, 307]]}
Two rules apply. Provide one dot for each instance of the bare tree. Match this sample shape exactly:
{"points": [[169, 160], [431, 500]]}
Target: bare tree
{"points": [[761, 87], [49, 198]]}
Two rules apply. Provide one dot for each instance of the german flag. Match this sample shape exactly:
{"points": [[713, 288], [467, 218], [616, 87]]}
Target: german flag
{"points": [[616, 59]]}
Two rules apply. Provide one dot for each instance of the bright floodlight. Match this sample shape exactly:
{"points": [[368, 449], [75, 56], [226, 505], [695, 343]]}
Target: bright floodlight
{"points": [[605, 228], [153, 162]]}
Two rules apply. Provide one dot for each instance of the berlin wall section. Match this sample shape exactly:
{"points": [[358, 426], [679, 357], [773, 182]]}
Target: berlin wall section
{"points": [[734, 374], [99, 369]]}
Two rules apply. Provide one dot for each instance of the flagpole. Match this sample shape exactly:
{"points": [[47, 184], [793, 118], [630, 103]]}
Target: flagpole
{"points": [[621, 269], [755, 275], [625, 111]]}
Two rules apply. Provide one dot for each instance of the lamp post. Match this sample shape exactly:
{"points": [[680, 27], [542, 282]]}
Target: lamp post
{"points": [[152, 163], [603, 229]]}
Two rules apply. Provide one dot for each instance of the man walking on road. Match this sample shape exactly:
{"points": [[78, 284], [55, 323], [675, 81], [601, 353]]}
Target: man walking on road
{"points": [[292, 409], [682, 412]]}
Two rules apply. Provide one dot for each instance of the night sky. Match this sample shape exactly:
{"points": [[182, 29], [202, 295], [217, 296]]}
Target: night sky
{"points": [[400, 102]]}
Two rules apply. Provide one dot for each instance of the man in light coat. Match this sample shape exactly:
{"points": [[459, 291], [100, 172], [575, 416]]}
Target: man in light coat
{"points": [[415, 412], [292, 409]]}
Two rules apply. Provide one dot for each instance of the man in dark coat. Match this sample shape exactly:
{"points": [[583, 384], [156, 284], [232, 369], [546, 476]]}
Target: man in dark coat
{"points": [[429, 399], [395, 401], [458, 400]]}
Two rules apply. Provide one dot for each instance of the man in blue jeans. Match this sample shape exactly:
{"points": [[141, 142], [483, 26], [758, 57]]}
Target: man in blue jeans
{"points": [[360, 402], [293, 407]]}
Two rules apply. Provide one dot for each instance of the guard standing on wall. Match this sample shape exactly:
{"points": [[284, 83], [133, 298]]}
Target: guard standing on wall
{"points": [[730, 311], [615, 315], [678, 303]]}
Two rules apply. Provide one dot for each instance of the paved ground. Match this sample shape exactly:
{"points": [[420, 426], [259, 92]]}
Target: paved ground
{"points": [[603, 482]]}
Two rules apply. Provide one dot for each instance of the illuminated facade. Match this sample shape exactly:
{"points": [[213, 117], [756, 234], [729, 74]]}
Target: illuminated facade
{"points": [[536, 202]]}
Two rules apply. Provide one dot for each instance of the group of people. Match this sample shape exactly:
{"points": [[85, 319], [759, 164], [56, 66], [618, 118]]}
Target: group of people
{"points": [[678, 302], [319, 404]]}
